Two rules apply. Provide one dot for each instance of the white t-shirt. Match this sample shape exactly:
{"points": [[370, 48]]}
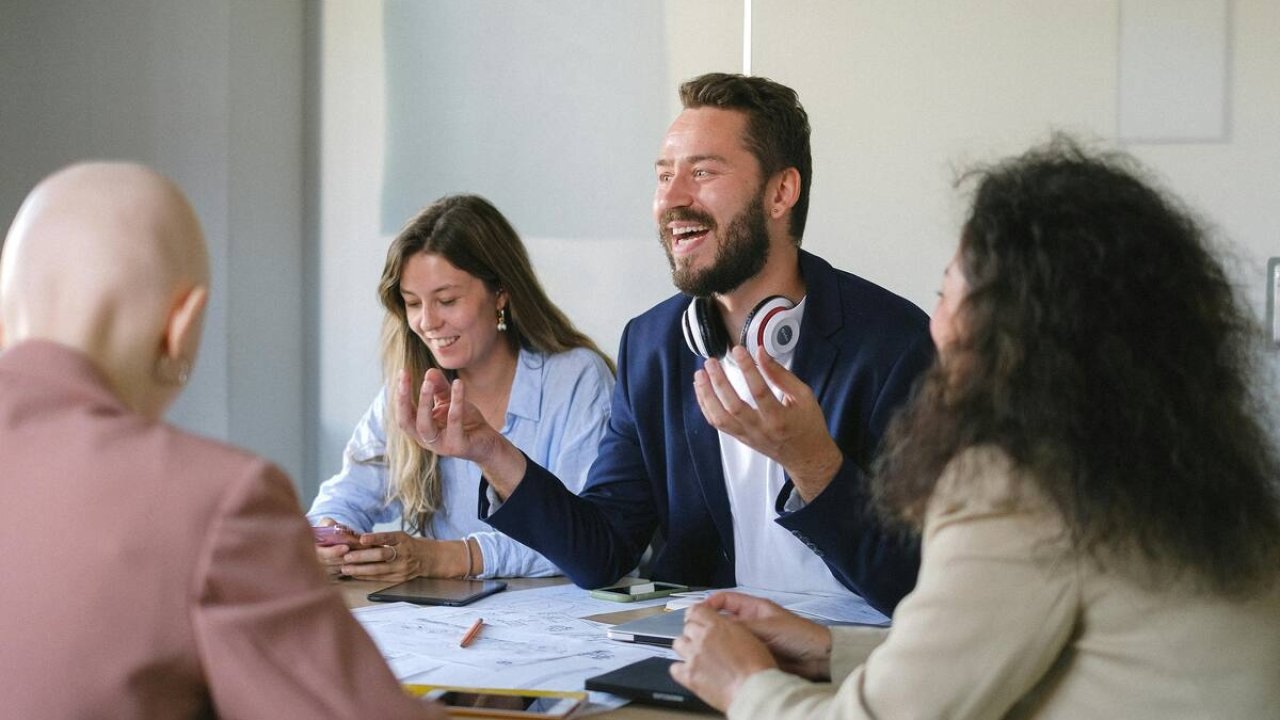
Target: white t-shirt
{"points": [[766, 555]]}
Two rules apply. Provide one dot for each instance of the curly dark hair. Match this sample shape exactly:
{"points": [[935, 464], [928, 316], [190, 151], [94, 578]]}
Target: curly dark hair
{"points": [[777, 126], [1103, 348]]}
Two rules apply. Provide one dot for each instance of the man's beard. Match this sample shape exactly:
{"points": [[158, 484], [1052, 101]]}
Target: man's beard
{"points": [[740, 257]]}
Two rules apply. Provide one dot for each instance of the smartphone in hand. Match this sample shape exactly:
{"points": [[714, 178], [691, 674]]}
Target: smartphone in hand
{"points": [[327, 535]]}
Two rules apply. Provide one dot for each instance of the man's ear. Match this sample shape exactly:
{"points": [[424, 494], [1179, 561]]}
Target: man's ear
{"points": [[182, 330], [785, 191]]}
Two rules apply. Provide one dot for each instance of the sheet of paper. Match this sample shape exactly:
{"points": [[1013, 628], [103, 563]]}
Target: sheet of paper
{"points": [[540, 639], [526, 642]]}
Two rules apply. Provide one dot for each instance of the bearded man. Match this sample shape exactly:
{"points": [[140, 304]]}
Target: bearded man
{"points": [[748, 407]]}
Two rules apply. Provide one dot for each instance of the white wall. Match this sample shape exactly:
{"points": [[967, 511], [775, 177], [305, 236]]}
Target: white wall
{"points": [[351, 247], [209, 93], [903, 94]]}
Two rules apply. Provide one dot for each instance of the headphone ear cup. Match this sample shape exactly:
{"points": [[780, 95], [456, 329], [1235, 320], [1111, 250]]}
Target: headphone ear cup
{"points": [[692, 331], [773, 326], [717, 337], [703, 331]]}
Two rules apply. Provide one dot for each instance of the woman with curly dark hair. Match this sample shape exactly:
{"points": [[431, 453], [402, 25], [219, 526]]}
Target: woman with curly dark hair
{"points": [[1089, 468]]}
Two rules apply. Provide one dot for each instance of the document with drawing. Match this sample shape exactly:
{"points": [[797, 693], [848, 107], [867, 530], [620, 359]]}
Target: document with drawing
{"points": [[532, 639], [540, 638]]}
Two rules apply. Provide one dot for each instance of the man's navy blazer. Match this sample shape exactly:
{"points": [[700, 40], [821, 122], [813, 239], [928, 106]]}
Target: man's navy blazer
{"points": [[860, 350]]}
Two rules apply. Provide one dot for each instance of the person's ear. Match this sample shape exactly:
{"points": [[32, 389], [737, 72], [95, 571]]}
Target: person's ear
{"points": [[785, 192], [182, 330]]}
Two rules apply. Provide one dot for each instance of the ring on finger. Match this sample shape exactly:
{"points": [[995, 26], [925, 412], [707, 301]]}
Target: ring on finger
{"points": [[394, 553]]}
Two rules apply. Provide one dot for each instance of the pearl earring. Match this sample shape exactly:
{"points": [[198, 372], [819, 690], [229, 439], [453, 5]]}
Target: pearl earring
{"points": [[173, 371], [502, 320]]}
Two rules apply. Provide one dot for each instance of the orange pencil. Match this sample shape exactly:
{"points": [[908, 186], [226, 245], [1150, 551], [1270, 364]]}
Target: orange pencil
{"points": [[472, 632]]}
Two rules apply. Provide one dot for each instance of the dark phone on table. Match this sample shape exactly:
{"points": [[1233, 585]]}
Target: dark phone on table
{"points": [[438, 591]]}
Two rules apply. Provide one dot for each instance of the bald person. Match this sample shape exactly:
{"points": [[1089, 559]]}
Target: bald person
{"points": [[148, 573]]}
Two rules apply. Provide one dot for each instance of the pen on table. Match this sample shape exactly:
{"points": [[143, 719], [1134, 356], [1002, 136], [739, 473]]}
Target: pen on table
{"points": [[472, 632]]}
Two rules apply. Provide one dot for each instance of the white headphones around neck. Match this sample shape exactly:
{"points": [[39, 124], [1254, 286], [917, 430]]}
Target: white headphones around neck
{"points": [[772, 324]]}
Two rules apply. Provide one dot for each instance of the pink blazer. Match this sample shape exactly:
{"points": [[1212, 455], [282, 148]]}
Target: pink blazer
{"points": [[150, 573]]}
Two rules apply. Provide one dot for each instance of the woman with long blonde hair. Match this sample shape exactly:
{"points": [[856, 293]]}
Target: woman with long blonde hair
{"points": [[461, 296]]}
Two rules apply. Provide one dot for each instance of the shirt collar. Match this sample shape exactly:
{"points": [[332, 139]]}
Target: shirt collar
{"points": [[61, 366], [525, 399]]}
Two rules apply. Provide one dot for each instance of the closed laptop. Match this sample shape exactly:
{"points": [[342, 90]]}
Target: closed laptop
{"points": [[661, 629]]}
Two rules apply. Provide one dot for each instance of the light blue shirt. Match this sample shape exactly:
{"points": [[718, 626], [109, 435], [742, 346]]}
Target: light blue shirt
{"points": [[556, 414]]}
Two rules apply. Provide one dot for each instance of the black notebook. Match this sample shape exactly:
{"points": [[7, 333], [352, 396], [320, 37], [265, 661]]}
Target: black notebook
{"points": [[647, 681]]}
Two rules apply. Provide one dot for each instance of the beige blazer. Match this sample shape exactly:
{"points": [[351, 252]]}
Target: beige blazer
{"points": [[150, 573], [1005, 623]]}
